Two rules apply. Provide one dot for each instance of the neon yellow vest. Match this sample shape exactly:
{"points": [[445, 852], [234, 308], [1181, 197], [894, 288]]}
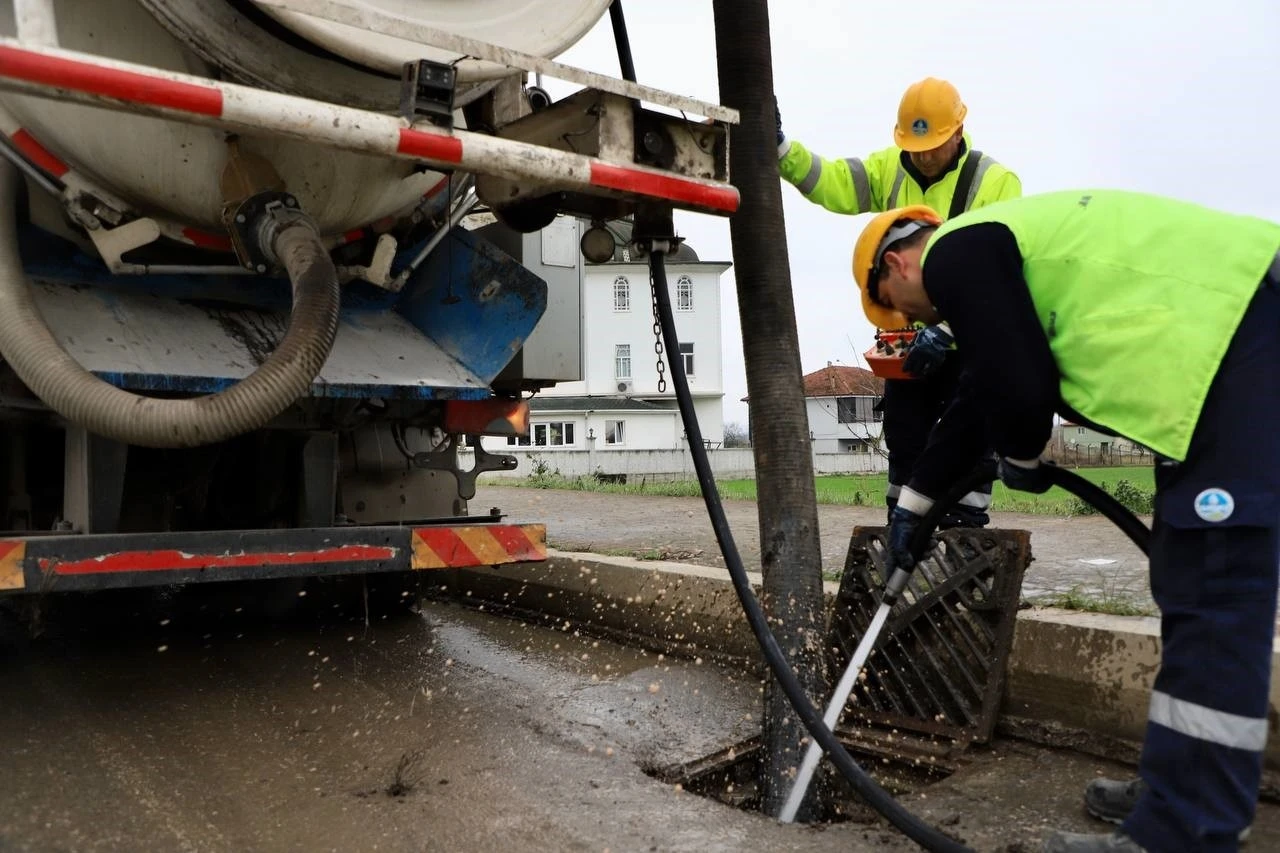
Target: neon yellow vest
{"points": [[878, 182], [1139, 296]]}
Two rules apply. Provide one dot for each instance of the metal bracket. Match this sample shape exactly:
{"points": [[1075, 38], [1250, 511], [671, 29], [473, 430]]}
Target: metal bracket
{"points": [[426, 91], [112, 243], [378, 270], [446, 459]]}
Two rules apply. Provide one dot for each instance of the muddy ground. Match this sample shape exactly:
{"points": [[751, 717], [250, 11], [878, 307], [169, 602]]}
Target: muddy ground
{"points": [[244, 718], [1086, 554]]}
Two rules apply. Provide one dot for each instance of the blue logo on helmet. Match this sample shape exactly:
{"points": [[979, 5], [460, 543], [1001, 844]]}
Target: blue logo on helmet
{"points": [[1215, 505], [919, 127]]}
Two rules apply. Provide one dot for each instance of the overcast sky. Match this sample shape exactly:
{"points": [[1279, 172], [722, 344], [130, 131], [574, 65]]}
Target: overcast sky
{"points": [[1168, 96]]}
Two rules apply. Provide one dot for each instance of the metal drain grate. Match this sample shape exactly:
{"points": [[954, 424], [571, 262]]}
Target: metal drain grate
{"points": [[939, 664]]}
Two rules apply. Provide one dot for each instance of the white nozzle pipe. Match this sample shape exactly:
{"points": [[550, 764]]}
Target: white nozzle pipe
{"points": [[843, 689]]}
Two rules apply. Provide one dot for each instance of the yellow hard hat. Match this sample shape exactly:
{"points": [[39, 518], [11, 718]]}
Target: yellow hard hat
{"points": [[881, 232], [929, 113]]}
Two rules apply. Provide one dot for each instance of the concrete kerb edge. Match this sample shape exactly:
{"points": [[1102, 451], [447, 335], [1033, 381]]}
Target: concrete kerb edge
{"points": [[1069, 672]]}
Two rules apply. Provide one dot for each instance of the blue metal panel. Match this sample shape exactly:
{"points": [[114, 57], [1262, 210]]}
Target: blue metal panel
{"points": [[475, 301], [455, 325]]}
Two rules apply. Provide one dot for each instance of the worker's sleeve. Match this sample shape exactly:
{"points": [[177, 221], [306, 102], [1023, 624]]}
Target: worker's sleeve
{"points": [[841, 186], [974, 278], [998, 184]]}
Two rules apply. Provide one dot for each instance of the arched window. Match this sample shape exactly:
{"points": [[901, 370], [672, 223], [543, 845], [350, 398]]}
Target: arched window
{"points": [[684, 293], [621, 294]]}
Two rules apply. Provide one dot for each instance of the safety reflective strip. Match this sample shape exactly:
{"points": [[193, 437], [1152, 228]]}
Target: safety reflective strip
{"points": [[893, 490], [480, 545], [897, 185], [912, 500], [1207, 724], [861, 183], [172, 560], [810, 181], [12, 554], [983, 165], [977, 500]]}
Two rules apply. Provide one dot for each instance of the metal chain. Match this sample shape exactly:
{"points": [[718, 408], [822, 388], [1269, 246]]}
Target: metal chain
{"points": [[657, 337]]}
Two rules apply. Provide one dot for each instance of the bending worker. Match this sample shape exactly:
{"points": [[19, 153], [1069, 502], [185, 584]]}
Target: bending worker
{"points": [[1155, 320], [933, 163]]}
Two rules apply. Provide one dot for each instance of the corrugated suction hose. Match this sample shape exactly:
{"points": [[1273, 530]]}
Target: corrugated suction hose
{"points": [[82, 398]]}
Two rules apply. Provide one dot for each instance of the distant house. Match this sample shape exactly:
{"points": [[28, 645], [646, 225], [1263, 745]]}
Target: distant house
{"points": [[1070, 436], [613, 392], [840, 402]]}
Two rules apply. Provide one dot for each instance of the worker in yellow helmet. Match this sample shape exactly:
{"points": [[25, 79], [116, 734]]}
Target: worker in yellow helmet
{"points": [[933, 163], [1156, 320]]}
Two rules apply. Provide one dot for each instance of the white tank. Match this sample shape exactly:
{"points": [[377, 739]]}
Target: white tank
{"points": [[171, 170]]}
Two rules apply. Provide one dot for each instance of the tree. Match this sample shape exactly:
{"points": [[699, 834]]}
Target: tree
{"points": [[735, 435], [791, 553]]}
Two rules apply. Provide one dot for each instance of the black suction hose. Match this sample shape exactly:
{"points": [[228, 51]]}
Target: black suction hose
{"points": [[917, 830], [622, 41], [1089, 492]]}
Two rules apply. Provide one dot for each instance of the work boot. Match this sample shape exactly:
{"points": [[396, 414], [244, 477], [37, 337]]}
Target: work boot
{"points": [[1112, 800], [1078, 842]]}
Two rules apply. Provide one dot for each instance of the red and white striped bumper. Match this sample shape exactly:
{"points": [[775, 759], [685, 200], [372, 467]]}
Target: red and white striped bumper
{"points": [[65, 563], [83, 78]]}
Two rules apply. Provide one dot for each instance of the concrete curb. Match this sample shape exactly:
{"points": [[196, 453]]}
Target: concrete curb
{"points": [[1068, 671]]}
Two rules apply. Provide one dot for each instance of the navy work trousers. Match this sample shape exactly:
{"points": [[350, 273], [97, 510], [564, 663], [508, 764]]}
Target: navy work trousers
{"points": [[911, 409], [1215, 554]]}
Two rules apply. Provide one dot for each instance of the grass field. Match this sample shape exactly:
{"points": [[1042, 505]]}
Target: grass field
{"points": [[868, 490]]}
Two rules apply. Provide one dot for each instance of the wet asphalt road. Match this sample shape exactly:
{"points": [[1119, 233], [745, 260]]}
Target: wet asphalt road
{"points": [[241, 717]]}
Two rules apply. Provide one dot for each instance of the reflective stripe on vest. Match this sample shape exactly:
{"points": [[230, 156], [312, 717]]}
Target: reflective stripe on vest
{"points": [[984, 163], [892, 200], [811, 177], [861, 183]]}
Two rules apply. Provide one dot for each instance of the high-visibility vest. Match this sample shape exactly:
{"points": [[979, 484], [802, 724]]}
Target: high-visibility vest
{"points": [[1139, 297], [879, 182]]}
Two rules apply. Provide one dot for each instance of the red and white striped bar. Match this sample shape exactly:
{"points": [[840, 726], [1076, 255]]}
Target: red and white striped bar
{"points": [[82, 78]]}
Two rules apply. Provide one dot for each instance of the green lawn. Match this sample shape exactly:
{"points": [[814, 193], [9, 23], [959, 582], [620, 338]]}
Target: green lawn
{"points": [[868, 489]]}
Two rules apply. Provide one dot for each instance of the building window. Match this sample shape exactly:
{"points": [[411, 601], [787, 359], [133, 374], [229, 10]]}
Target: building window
{"points": [[622, 361], [684, 293], [857, 410], [686, 352], [621, 294], [553, 434], [615, 432], [519, 441]]}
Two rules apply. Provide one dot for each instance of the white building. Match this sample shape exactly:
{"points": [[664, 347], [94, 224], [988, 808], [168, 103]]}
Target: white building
{"points": [[616, 403], [840, 402]]}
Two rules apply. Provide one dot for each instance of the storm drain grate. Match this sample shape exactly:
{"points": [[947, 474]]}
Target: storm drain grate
{"points": [[939, 664]]}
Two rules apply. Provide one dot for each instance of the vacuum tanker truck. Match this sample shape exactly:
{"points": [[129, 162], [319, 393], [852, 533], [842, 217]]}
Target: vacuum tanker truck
{"points": [[244, 332]]}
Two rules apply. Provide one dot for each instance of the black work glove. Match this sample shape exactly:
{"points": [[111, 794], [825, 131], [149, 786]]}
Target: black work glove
{"points": [[1023, 476], [902, 529], [928, 350], [777, 113]]}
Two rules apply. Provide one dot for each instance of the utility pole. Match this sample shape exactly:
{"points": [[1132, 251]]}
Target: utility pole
{"points": [[788, 514]]}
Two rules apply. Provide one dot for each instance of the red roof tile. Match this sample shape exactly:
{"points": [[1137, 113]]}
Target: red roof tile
{"points": [[837, 380]]}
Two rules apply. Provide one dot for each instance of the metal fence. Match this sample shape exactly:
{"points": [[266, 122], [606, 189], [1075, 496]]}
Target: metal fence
{"points": [[1093, 455]]}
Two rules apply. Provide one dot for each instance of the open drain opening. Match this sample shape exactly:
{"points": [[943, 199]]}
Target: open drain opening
{"points": [[932, 686], [901, 764]]}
